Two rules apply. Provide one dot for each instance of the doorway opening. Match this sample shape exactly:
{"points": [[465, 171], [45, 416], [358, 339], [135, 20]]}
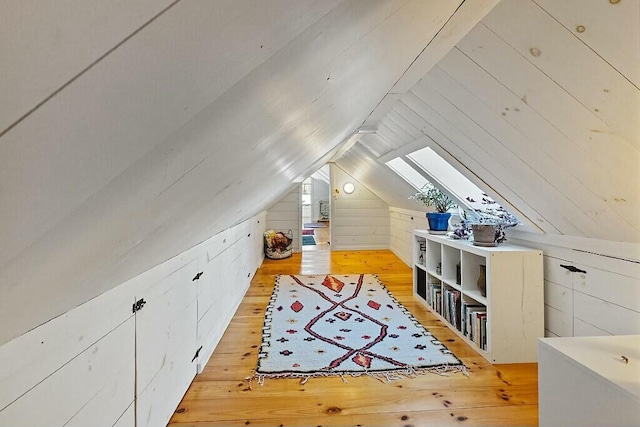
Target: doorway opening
{"points": [[316, 211]]}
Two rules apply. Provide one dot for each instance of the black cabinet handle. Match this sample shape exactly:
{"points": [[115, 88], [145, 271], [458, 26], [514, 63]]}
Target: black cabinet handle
{"points": [[573, 269]]}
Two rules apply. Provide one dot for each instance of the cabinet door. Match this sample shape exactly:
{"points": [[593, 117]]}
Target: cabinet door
{"points": [[166, 345], [93, 389], [606, 294]]}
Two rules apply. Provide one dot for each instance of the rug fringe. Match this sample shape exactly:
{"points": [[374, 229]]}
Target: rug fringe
{"points": [[382, 376]]}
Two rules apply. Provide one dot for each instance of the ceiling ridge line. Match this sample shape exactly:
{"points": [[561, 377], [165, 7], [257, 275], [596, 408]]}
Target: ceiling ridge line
{"points": [[391, 91]]}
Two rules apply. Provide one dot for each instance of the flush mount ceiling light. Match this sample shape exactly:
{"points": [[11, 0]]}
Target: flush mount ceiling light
{"points": [[348, 188]]}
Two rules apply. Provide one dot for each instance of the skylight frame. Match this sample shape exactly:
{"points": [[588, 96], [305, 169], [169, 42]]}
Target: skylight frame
{"points": [[467, 195], [407, 172], [446, 177]]}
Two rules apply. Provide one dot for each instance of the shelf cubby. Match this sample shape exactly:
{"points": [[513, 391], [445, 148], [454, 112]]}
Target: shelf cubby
{"points": [[471, 270], [434, 258], [450, 266], [420, 250], [508, 321]]}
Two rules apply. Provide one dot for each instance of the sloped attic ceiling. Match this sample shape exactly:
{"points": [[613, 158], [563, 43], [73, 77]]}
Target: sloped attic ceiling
{"points": [[131, 131], [539, 105]]}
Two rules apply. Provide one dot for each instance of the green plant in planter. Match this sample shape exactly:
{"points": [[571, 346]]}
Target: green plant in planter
{"points": [[429, 195], [486, 225]]}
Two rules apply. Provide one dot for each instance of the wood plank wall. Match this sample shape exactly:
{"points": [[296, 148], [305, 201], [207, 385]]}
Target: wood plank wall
{"points": [[402, 222], [602, 301], [286, 214], [320, 190], [359, 220], [513, 107], [101, 364]]}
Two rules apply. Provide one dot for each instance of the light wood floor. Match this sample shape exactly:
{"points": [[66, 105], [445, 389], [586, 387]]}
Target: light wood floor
{"points": [[492, 395]]}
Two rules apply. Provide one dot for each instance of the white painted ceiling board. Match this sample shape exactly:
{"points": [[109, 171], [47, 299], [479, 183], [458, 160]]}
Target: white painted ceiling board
{"points": [[394, 136], [591, 135], [127, 419], [465, 18], [598, 165], [545, 179], [44, 45], [610, 29], [175, 188], [98, 126], [612, 185], [464, 139], [454, 155], [404, 123], [378, 178], [322, 174], [468, 14], [569, 62], [545, 149], [376, 144], [381, 109], [398, 131]]}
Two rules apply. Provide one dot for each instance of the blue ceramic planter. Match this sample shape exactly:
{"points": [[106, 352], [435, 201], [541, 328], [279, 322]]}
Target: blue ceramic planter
{"points": [[438, 222]]}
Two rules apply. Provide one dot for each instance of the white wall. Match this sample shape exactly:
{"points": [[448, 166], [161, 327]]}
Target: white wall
{"points": [[319, 191], [359, 220], [89, 365], [402, 222], [286, 214]]}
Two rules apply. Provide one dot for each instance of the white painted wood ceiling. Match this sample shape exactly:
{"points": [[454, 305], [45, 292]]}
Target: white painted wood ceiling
{"points": [[539, 105], [131, 131]]}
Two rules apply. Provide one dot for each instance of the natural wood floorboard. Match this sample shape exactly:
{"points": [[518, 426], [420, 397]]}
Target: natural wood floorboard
{"points": [[492, 395]]}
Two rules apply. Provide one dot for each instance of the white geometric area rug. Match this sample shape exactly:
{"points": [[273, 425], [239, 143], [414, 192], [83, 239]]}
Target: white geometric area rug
{"points": [[341, 325]]}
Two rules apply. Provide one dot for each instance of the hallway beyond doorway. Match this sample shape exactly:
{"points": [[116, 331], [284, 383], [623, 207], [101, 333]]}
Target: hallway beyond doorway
{"points": [[321, 236]]}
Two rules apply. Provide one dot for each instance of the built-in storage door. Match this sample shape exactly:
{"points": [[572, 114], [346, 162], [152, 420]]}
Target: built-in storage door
{"points": [[166, 345], [76, 370]]}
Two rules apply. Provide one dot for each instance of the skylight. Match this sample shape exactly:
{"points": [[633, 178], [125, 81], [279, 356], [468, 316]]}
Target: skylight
{"points": [[427, 166], [407, 173], [447, 177]]}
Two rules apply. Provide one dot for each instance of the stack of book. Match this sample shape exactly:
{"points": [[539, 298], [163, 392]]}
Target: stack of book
{"points": [[474, 325]]}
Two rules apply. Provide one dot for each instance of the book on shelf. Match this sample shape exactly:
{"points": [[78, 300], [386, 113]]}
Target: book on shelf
{"points": [[434, 288], [468, 307], [479, 328], [457, 320], [452, 307], [475, 324], [445, 306], [482, 330], [438, 300]]}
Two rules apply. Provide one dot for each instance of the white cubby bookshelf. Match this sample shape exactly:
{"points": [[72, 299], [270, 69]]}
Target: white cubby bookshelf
{"points": [[503, 326]]}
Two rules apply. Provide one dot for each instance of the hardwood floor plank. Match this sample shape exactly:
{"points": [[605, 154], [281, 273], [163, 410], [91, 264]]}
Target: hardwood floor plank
{"points": [[521, 415], [364, 403], [497, 395]]}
